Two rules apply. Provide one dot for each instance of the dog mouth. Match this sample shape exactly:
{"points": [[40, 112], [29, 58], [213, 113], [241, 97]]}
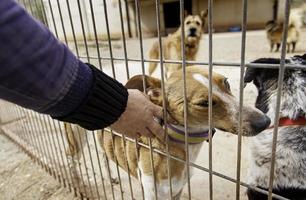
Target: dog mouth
{"points": [[192, 35], [244, 132]]}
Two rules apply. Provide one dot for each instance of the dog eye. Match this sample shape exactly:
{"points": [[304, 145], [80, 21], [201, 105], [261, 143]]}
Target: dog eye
{"points": [[188, 22], [227, 85], [205, 103], [198, 23]]}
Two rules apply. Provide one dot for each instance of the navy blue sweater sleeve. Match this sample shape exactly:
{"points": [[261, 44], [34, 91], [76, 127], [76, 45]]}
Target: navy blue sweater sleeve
{"points": [[40, 73]]}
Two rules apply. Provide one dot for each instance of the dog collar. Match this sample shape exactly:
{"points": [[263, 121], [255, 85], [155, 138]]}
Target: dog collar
{"points": [[285, 121], [176, 133]]}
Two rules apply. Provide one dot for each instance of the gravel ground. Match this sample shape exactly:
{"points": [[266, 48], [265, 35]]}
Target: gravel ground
{"points": [[20, 178]]}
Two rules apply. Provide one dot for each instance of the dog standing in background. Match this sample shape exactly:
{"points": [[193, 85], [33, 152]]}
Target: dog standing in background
{"points": [[171, 45], [274, 32]]}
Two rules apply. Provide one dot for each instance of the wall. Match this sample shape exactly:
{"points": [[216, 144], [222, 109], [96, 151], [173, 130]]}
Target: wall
{"points": [[98, 8], [228, 13]]}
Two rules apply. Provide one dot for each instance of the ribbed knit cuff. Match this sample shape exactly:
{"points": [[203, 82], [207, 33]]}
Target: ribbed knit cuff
{"points": [[104, 104]]}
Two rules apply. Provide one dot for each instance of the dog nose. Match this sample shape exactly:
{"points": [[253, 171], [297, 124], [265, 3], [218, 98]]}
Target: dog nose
{"points": [[193, 30], [261, 124]]}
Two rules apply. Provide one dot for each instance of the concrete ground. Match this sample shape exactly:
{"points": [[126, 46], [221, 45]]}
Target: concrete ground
{"points": [[21, 179]]}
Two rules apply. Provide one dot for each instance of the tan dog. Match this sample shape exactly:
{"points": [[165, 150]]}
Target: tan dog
{"points": [[193, 30], [274, 32], [224, 117]]}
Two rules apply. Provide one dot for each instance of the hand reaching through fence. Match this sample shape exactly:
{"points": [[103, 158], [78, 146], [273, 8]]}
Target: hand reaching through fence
{"points": [[137, 119]]}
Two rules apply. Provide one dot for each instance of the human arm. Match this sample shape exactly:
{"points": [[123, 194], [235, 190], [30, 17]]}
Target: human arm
{"points": [[40, 73]]}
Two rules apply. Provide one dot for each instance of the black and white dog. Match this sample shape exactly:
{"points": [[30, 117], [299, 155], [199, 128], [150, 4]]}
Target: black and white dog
{"points": [[290, 166]]}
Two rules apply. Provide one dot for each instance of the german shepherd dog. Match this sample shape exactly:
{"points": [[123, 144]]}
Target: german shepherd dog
{"points": [[193, 30], [290, 160], [274, 32]]}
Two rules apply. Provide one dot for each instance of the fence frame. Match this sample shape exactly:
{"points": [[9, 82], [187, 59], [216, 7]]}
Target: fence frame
{"points": [[37, 149]]}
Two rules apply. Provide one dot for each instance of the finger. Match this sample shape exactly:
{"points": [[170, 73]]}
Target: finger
{"points": [[146, 132], [158, 112], [138, 135], [145, 95], [157, 131], [131, 135]]}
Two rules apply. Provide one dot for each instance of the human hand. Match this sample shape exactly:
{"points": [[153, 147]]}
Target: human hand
{"points": [[137, 119]]}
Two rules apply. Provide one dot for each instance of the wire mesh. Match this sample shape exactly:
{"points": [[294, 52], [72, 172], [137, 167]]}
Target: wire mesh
{"points": [[45, 140]]}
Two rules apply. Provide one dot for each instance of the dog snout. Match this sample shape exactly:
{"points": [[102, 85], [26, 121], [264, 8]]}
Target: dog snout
{"points": [[192, 31], [260, 124], [255, 121]]}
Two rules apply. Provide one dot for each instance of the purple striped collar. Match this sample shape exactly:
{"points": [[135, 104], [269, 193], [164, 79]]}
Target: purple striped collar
{"points": [[177, 134]]}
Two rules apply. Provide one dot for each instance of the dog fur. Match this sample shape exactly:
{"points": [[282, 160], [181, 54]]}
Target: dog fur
{"points": [[274, 32], [290, 160], [224, 117], [171, 45]]}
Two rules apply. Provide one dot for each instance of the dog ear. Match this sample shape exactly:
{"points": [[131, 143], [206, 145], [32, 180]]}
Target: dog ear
{"points": [[203, 15], [185, 13], [250, 74], [153, 87], [136, 82]]}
